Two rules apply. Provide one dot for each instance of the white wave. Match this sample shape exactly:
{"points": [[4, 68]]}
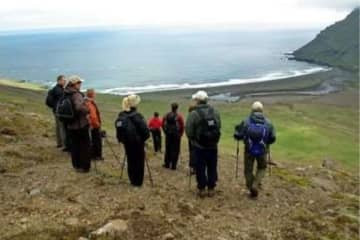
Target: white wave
{"points": [[166, 87]]}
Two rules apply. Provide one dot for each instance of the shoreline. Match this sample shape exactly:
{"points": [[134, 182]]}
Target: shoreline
{"points": [[313, 84]]}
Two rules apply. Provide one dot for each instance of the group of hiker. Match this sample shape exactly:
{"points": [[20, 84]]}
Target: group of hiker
{"points": [[77, 121], [78, 130]]}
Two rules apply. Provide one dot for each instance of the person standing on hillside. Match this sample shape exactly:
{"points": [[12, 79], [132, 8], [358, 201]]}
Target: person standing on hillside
{"points": [[192, 157], [155, 124], [173, 126], [132, 131], [52, 100], [203, 127], [258, 133], [79, 127], [95, 125]]}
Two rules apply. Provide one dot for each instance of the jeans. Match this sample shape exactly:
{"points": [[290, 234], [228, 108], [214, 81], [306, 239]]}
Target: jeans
{"points": [[206, 167]]}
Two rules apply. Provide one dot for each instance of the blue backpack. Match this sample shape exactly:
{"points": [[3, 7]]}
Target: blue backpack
{"points": [[255, 137]]}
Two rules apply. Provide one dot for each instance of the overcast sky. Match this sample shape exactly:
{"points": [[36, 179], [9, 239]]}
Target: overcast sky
{"points": [[253, 14]]}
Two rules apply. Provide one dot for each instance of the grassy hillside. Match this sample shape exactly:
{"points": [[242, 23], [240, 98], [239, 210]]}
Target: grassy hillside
{"points": [[337, 45], [43, 198], [309, 131]]}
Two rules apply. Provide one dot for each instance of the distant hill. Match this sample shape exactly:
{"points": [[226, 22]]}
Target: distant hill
{"points": [[337, 45]]}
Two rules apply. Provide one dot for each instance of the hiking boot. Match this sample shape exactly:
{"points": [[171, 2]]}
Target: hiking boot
{"points": [[165, 166], [66, 150], [211, 193], [253, 192], [59, 146], [202, 193]]}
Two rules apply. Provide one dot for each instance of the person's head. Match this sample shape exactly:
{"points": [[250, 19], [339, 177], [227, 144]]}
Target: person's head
{"points": [[75, 82], [133, 101], [200, 97], [174, 107], [90, 93], [61, 80], [257, 107], [156, 114], [125, 104]]}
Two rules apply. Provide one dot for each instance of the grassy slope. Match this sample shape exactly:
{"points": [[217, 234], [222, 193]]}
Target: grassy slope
{"points": [[308, 131], [302, 203]]}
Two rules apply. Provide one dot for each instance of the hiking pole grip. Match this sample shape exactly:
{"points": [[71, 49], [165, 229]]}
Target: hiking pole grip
{"points": [[269, 162]]}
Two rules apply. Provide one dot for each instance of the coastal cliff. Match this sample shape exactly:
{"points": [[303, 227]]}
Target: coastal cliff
{"points": [[337, 45]]}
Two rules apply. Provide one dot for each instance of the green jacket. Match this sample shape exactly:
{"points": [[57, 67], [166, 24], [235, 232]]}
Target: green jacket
{"points": [[194, 119]]}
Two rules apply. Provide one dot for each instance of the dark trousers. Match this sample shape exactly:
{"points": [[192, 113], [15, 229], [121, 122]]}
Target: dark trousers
{"points": [[172, 151], [156, 136], [96, 143], [206, 167], [253, 181], [192, 157], [135, 154], [80, 148]]}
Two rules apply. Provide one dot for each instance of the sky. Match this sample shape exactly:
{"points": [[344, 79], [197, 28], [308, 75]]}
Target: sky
{"points": [[251, 14]]}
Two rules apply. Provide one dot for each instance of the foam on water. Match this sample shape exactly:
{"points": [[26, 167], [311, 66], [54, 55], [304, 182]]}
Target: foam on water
{"points": [[165, 87]]}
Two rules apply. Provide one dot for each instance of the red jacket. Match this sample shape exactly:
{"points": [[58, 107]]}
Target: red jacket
{"points": [[180, 121], [155, 123]]}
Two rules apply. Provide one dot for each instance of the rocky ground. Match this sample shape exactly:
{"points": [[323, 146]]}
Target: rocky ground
{"points": [[43, 198]]}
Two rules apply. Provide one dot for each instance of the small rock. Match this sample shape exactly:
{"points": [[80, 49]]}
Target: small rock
{"points": [[72, 222], [23, 220], [115, 229], [83, 238], [34, 192], [199, 218], [168, 236], [311, 202], [329, 164], [8, 131]]}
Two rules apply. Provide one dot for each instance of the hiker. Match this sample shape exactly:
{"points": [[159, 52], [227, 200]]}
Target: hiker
{"points": [[52, 100], [192, 160], [155, 124], [132, 131], [95, 125], [79, 126], [203, 130], [258, 133], [173, 126]]}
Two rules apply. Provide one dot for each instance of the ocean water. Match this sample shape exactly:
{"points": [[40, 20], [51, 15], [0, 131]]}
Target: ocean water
{"points": [[142, 60]]}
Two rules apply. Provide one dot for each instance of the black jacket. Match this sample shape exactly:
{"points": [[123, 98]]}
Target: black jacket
{"points": [[139, 122], [57, 92]]}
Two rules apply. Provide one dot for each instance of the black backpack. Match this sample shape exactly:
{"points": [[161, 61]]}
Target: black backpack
{"points": [[172, 124], [126, 131], [50, 99], [65, 109], [208, 133]]}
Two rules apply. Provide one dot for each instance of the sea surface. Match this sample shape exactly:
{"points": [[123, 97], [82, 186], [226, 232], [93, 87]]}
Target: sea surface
{"points": [[119, 61]]}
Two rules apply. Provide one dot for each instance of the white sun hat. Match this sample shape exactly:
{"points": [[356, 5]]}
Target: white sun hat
{"points": [[257, 107], [200, 96]]}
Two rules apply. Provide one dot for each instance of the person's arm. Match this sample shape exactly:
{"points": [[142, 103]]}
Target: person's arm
{"points": [[141, 125], [239, 133], [93, 118], [190, 125], [272, 134], [181, 124], [79, 103]]}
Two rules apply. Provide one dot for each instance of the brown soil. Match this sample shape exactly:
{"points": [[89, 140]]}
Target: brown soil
{"points": [[43, 198]]}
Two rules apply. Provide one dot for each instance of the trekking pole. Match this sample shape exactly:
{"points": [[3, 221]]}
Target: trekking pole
{"points": [[112, 150], [149, 172], [269, 162], [237, 159]]}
